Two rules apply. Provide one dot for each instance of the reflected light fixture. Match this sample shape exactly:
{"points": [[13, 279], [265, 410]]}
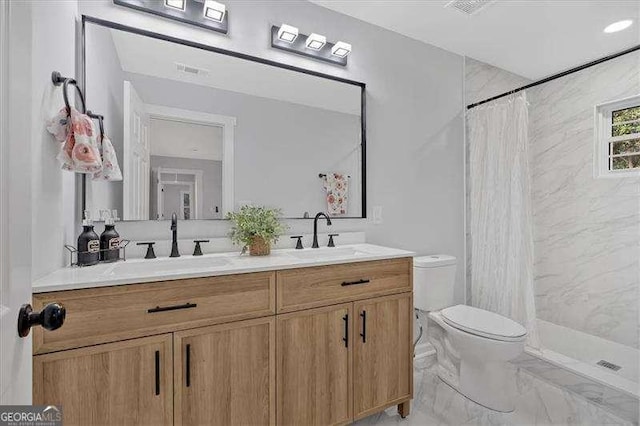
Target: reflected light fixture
{"points": [[618, 26], [214, 16], [288, 33], [176, 4], [315, 41], [341, 49], [214, 10]]}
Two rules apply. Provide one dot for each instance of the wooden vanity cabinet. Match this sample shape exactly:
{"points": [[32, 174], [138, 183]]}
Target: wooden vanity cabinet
{"points": [[225, 374], [314, 366], [382, 354], [122, 383], [334, 346]]}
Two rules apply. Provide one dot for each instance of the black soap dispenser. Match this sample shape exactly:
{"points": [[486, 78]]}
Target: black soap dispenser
{"points": [[88, 243], [109, 239]]}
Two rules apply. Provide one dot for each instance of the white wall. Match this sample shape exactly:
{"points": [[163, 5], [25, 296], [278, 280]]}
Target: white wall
{"points": [[414, 121], [53, 190]]}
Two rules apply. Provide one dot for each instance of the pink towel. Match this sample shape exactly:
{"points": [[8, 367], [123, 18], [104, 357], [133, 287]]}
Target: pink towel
{"points": [[78, 145]]}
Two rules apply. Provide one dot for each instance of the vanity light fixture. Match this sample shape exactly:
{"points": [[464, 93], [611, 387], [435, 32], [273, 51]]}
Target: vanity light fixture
{"points": [[341, 49], [315, 41], [287, 37], [287, 33], [176, 4], [214, 16], [214, 10]]}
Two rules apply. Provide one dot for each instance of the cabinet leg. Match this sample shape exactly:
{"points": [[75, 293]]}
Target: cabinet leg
{"points": [[404, 409]]}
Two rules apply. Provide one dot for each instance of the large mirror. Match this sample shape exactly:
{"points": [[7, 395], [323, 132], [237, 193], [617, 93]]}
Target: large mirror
{"points": [[201, 132]]}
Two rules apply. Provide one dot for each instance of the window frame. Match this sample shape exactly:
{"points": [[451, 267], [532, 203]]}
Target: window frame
{"points": [[603, 137]]}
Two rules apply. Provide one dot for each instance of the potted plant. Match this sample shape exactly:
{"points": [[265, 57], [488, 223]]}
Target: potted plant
{"points": [[256, 228]]}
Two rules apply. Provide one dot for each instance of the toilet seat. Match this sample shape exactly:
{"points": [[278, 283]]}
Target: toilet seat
{"points": [[483, 323]]}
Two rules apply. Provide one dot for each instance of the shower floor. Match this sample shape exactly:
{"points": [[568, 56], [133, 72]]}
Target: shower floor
{"points": [[581, 352]]}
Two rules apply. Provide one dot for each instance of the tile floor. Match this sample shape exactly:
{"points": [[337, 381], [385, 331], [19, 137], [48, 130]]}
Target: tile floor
{"points": [[538, 403]]}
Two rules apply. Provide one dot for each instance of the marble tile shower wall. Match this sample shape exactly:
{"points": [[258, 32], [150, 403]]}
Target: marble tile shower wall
{"points": [[586, 230]]}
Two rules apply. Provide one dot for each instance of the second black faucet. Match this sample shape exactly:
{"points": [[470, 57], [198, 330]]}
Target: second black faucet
{"points": [[315, 228]]}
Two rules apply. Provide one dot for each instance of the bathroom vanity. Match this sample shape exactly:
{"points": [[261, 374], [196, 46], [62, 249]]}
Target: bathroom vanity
{"points": [[310, 337]]}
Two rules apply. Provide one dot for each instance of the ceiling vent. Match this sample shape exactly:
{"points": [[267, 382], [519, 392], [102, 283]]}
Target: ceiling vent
{"points": [[195, 71], [469, 7]]}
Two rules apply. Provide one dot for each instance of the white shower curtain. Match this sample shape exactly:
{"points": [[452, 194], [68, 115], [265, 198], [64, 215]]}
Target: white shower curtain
{"points": [[501, 236]]}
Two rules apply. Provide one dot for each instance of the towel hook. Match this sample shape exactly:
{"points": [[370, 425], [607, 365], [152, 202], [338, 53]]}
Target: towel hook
{"points": [[100, 119], [58, 79]]}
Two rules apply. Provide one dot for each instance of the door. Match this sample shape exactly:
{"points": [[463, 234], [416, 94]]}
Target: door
{"points": [[382, 353], [225, 374], [15, 199], [136, 176], [314, 374], [123, 383]]}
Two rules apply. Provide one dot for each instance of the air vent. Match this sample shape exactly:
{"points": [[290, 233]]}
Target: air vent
{"points": [[200, 72], [469, 7], [609, 365]]}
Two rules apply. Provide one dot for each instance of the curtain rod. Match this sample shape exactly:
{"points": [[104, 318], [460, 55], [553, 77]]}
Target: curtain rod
{"points": [[556, 76]]}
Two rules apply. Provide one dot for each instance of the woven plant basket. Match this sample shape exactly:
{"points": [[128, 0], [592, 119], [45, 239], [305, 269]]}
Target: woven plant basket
{"points": [[259, 247]]}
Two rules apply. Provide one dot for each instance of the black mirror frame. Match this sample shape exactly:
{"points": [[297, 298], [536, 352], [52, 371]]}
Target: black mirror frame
{"points": [[113, 25]]}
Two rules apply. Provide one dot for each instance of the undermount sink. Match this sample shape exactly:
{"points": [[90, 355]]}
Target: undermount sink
{"points": [[327, 253], [168, 265]]}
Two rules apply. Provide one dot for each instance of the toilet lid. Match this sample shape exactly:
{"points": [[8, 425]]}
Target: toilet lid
{"points": [[483, 323]]}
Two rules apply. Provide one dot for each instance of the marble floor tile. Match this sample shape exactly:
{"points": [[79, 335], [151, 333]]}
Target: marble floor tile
{"points": [[538, 403]]}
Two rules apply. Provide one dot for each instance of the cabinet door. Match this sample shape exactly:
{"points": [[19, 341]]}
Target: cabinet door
{"points": [[225, 374], [314, 372], [123, 383], [382, 354]]}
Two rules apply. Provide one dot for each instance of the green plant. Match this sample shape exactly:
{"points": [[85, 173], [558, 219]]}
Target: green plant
{"points": [[253, 221]]}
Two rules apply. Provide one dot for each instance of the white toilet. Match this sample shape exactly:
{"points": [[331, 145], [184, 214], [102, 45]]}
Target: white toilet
{"points": [[473, 346]]}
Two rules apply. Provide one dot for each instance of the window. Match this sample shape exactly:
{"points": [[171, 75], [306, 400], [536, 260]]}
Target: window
{"points": [[618, 138]]}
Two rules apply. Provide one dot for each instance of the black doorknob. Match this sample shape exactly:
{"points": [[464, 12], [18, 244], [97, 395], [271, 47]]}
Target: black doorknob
{"points": [[51, 317]]}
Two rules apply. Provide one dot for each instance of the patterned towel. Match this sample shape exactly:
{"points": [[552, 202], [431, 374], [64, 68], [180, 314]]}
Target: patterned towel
{"points": [[110, 169], [336, 186], [78, 143]]}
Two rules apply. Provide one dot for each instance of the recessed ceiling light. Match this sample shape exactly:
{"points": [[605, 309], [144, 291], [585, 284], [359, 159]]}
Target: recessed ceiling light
{"points": [[287, 33], [316, 41], [341, 49], [618, 26], [214, 10], [175, 4]]}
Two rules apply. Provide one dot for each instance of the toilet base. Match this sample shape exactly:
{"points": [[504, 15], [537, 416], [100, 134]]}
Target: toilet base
{"points": [[447, 380], [486, 381], [491, 384]]}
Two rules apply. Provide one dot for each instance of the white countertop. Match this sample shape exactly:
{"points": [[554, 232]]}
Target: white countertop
{"points": [[161, 269]]}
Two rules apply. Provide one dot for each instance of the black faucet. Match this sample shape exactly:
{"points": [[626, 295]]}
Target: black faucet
{"points": [[174, 230], [315, 228]]}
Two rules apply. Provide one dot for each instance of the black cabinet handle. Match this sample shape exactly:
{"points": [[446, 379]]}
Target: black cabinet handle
{"points": [[363, 314], [346, 283], [188, 366], [346, 330], [171, 308], [157, 372]]}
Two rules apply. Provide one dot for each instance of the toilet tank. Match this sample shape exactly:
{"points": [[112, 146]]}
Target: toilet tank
{"points": [[433, 281]]}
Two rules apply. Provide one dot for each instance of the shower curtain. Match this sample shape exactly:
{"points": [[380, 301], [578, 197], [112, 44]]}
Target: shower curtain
{"points": [[501, 236]]}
